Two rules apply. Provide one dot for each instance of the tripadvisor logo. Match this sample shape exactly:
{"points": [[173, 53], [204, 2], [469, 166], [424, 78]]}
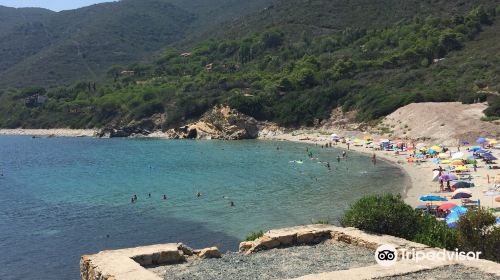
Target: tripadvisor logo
{"points": [[387, 255]]}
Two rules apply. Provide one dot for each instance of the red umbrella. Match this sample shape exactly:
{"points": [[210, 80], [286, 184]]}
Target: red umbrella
{"points": [[447, 206]]}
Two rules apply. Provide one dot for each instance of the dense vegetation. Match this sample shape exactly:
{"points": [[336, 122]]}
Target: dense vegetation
{"points": [[294, 78], [388, 214], [41, 47]]}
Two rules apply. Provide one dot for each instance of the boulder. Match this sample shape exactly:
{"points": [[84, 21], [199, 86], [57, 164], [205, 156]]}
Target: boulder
{"points": [[210, 253], [246, 245]]}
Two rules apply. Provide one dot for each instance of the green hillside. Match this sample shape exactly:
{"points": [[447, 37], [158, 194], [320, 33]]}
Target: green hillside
{"points": [[290, 75], [39, 47]]}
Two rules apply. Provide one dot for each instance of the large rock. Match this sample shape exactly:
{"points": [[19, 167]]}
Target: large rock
{"points": [[222, 123], [210, 253]]}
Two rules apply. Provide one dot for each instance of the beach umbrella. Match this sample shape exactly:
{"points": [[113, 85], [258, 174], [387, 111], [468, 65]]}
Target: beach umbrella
{"points": [[432, 151], [474, 149], [432, 198], [461, 195], [472, 157], [448, 177], [356, 140], [435, 176], [461, 168], [368, 137], [447, 206], [443, 155], [452, 219], [458, 155], [461, 191], [465, 143], [457, 162], [446, 161], [459, 209], [437, 148], [493, 142], [497, 199], [462, 185], [481, 140], [489, 157], [483, 151]]}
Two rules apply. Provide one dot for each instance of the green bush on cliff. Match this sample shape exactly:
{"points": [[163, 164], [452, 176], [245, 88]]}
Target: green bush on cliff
{"points": [[385, 214], [254, 235], [477, 232]]}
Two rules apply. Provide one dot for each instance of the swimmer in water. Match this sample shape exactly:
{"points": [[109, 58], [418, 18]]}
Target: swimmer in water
{"points": [[198, 194], [164, 197], [232, 204]]}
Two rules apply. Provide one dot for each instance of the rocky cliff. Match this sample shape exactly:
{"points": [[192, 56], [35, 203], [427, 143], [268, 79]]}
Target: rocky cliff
{"points": [[221, 122]]}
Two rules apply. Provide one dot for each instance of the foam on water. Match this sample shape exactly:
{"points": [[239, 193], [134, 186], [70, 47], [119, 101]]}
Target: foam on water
{"points": [[61, 198]]}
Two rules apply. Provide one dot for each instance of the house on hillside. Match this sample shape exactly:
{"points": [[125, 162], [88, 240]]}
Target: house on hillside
{"points": [[187, 54], [35, 100], [127, 73]]}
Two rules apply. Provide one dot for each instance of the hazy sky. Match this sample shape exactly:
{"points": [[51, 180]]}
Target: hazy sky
{"points": [[55, 5]]}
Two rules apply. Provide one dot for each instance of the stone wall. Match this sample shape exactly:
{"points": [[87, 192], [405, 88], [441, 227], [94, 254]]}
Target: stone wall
{"points": [[128, 264]]}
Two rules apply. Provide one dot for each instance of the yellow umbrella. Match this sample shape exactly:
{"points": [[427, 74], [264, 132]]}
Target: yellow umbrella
{"points": [[357, 140], [446, 161], [437, 148], [493, 141], [367, 137], [461, 168]]}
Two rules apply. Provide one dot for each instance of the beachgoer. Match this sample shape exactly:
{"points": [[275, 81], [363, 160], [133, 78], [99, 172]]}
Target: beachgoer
{"points": [[198, 194], [441, 185], [448, 187], [135, 197], [475, 167], [164, 197], [149, 195], [374, 159], [278, 148], [338, 158], [348, 146], [328, 165], [132, 200], [232, 204]]}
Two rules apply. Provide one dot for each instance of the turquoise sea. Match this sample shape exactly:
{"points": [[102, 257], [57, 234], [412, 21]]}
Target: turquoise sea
{"points": [[64, 197]]}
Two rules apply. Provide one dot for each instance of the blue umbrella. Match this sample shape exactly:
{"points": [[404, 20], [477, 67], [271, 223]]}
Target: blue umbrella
{"points": [[452, 219], [481, 140], [459, 209], [432, 198], [474, 149], [483, 151], [465, 143], [472, 157], [431, 151], [462, 185], [489, 157], [461, 195]]}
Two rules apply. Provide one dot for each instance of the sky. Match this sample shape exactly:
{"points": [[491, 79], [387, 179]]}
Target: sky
{"points": [[55, 5]]}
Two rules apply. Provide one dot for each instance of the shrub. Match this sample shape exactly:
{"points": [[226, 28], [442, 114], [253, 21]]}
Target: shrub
{"points": [[321, 222], [385, 214], [254, 235], [492, 251], [475, 232], [435, 233]]}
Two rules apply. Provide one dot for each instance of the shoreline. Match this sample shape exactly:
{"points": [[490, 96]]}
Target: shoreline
{"points": [[52, 132], [418, 176]]}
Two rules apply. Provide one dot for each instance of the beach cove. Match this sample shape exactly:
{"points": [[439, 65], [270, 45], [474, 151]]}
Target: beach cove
{"points": [[64, 197]]}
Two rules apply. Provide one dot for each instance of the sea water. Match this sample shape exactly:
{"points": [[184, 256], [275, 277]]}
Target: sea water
{"points": [[61, 198]]}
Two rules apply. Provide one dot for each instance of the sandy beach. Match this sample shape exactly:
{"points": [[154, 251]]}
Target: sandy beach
{"points": [[56, 132], [420, 175]]}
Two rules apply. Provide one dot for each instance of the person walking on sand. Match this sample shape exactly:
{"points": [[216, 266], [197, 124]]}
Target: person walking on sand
{"points": [[475, 167], [374, 159], [348, 146]]}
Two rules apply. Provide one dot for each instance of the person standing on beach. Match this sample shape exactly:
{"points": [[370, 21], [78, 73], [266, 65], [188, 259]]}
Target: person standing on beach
{"points": [[338, 158], [374, 159], [348, 146]]}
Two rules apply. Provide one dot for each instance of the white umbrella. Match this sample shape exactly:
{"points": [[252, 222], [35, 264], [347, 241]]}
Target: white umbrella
{"points": [[458, 155], [435, 177]]}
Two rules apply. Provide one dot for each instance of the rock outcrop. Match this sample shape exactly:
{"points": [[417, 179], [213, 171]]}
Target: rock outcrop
{"points": [[221, 123]]}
